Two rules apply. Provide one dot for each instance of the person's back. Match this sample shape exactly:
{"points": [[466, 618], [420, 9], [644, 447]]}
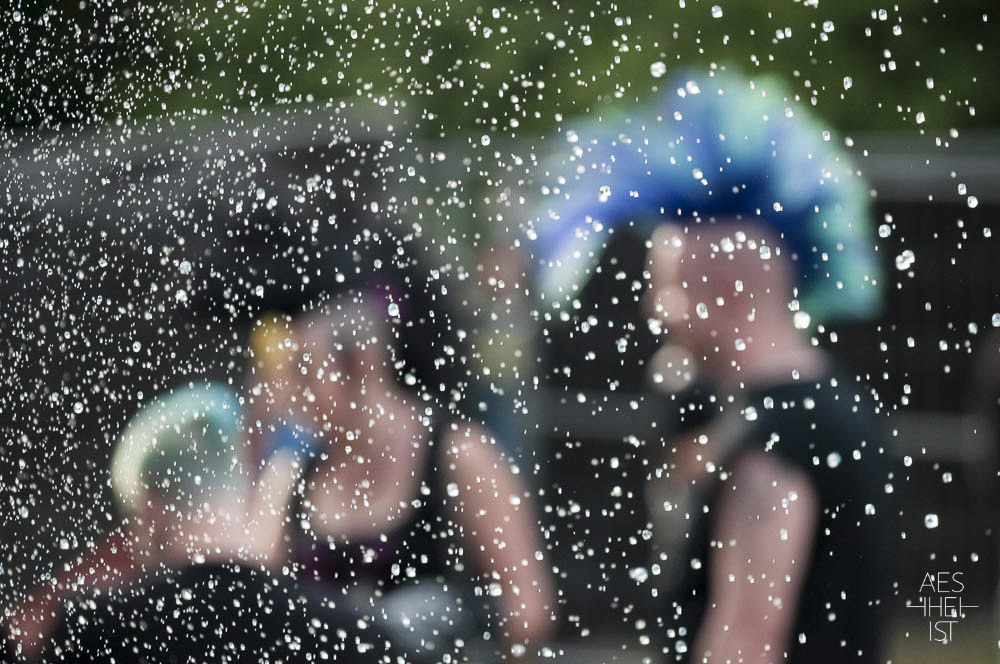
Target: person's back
{"points": [[211, 612]]}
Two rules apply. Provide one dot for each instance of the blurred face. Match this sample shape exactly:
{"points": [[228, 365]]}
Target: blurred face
{"points": [[331, 368], [709, 285], [669, 298]]}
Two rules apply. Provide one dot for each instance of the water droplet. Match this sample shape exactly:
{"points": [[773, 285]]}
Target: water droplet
{"points": [[828, 26], [833, 459], [740, 345], [78, 407], [972, 201], [905, 260], [931, 520], [658, 69], [452, 490], [393, 309], [136, 346], [801, 320], [622, 345], [701, 309], [869, 509], [848, 82], [484, 140], [185, 267], [639, 574], [716, 11], [884, 230], [946, 478], [995, 321], [750, 413], [765, 252]]}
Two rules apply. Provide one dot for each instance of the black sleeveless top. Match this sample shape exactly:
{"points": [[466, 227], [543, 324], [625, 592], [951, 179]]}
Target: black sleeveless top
{"points": [[827, 429], [414, 548]]}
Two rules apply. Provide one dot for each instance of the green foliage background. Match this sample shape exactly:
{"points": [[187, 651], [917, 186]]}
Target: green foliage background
{"points": [[476, 67]]}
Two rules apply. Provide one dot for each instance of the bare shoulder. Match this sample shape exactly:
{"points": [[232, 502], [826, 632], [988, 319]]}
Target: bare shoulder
{"points": [[468, 442], [764, 483]]}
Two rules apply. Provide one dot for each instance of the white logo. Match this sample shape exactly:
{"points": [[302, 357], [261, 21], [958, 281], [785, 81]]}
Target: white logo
{"points": [[940, 601]]}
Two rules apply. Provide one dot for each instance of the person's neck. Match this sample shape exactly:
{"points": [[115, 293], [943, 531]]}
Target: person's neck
{"points": [[379, 424], [771, 353]]}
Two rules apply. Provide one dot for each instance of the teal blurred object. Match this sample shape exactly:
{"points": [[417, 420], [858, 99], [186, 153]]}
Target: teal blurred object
{"points": [[712, 146], [183, 443]]}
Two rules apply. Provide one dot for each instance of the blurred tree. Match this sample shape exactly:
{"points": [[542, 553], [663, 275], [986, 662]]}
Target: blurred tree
{"points": [[516, 67], [507, 68]]}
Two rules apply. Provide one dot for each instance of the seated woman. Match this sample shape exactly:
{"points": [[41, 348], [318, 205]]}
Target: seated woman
{"points": [[369, 487]]}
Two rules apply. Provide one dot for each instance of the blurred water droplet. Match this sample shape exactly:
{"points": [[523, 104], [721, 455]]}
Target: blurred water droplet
{"points": [[658, 69], [972, 201], [833, 459], [639, 574], [701, 309], [931, 520], [905, 259], [716, 11]]}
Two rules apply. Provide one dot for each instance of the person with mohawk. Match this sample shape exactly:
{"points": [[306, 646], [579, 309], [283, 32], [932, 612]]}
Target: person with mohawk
{"points": [[757, 230]]}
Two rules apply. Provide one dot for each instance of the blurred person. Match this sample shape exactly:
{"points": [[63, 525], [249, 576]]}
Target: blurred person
{"points": [[367, 488], [199, 595], [758, 229], [791, 474]]}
